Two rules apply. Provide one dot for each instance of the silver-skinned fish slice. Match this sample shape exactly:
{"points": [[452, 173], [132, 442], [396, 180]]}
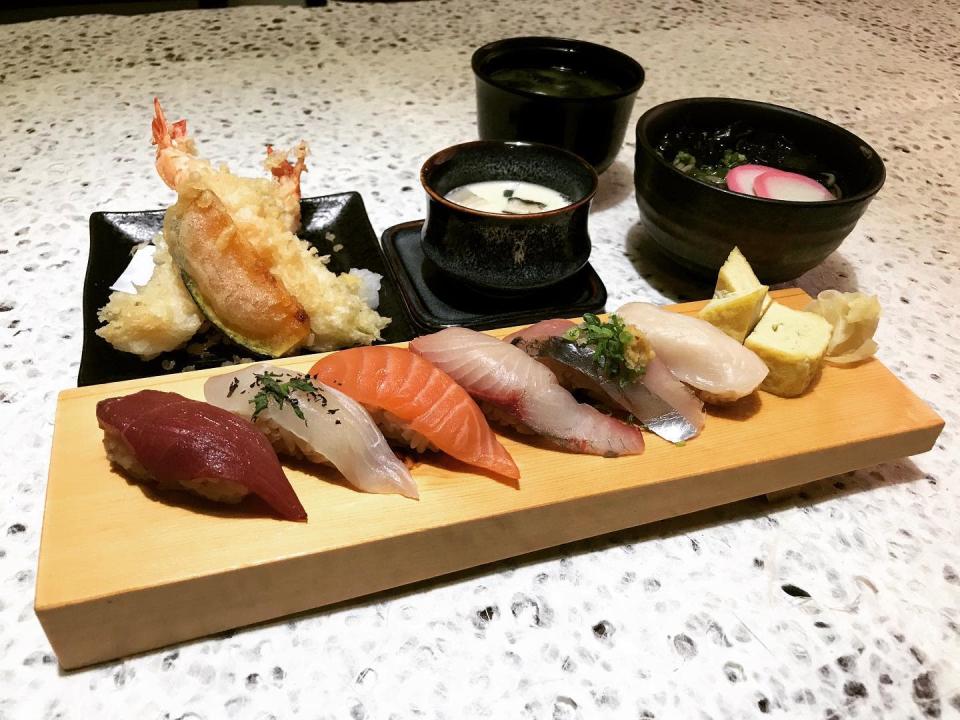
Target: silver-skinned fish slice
{"points": [[523, 392], [661, 402], [322, 425]]}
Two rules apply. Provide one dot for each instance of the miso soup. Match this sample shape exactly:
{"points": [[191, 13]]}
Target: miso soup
{"points": [[555, 81]]}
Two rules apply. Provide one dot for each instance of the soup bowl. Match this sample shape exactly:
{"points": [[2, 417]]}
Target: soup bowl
{"points": [[570, 93], [697, 224], [506, 253]]}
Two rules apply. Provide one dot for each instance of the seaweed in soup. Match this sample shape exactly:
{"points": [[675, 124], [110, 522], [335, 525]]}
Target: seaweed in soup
{"points": [[707, 154]]}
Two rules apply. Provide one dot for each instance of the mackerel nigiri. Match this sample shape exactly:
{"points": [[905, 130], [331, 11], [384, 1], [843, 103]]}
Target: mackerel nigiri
{"points": [[523, 392], [662, 403], [189, 445], [415, 402], [304, 417], [697, 353]]}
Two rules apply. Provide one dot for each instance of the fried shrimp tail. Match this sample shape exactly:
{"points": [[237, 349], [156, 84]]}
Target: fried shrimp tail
{"points": [[176, 152], [287, 175]]}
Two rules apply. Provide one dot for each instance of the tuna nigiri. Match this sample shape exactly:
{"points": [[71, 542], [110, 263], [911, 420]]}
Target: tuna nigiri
{"points": [[662, 403], [186, 444], [523, 392], [697, 353], [304, 417], [414, 401]]}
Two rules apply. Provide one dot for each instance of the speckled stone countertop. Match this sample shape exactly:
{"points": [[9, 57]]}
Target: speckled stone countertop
{"points": [[691, 618]]}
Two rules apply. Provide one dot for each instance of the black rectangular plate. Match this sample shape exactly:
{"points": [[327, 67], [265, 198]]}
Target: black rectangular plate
{"points": [[113, 236], [435, 301]]}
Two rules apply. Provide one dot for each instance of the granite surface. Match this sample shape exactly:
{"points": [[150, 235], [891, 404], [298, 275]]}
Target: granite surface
{"points": [[843, 601]]}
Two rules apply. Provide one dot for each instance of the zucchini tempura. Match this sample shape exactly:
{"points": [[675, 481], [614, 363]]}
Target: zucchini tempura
{"points": [[264, 215]]}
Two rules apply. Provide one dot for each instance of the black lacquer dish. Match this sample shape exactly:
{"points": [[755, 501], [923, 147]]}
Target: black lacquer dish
{"points": [[435, 300], [327, 221]]}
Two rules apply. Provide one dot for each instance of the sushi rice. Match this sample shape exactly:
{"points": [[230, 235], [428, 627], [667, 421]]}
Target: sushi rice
{"points": [[396, 429], [286, 443], [502, 417], [121, 454]]}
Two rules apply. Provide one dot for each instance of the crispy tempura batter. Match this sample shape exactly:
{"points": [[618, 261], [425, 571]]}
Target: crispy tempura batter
{"points": [[287, 175], [229, 278], [160, 317], [259, 263]]}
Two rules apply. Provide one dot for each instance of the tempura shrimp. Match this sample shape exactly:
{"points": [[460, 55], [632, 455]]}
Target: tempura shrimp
{"points": [[176, 152], [233, 249], [177, 158], [287, 175]]}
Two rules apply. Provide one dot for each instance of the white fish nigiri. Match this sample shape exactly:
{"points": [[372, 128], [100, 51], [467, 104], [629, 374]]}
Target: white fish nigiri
{"points": [[305, 418], [522, 391], [697, 353]]}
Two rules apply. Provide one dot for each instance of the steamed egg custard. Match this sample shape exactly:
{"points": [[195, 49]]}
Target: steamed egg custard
{"points": [[508, 197]]}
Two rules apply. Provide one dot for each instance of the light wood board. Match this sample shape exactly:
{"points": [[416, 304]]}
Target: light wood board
{"points": [[122, 572]]}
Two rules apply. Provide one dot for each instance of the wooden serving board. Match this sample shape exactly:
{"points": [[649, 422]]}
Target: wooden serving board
{"points": [[121, 571]]}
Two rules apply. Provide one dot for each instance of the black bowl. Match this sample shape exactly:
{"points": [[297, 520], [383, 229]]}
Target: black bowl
{"points": [[698, 224], [572, 94], [507, 253]]}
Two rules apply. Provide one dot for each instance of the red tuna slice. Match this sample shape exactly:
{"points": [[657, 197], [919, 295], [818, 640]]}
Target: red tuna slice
{"points": [[186, 443], [740, 179], [782, 185]]}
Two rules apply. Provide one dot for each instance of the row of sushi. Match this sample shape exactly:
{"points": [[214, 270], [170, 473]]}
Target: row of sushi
{"points": [[644, 366]]}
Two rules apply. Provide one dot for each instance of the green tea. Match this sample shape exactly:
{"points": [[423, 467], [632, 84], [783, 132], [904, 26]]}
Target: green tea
{"points": [[556, 81]]}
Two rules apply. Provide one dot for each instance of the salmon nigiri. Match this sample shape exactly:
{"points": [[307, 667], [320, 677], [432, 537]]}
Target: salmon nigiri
{"points": [[413, 401]]}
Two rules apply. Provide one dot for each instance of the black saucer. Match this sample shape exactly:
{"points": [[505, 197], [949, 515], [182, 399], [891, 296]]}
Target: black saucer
{"points": [[326, 220], [434, 300]]}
